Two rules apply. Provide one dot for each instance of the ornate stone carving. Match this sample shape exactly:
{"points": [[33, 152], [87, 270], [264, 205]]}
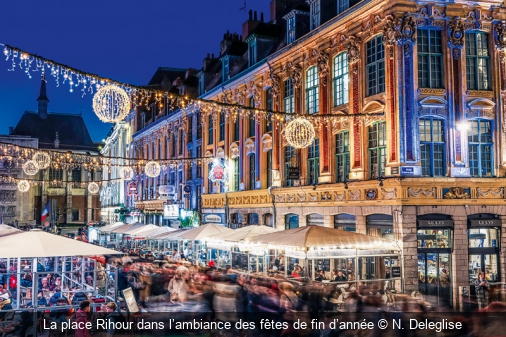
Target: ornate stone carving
{"points": [[438, 13], [7, 196], [267, 142], [290, 197], [323, 67], [456, 37], [355, 195], [296, 75], [249, 144], [428, 192], [353, 49], [301, 197], [496, 192], [340, 196], [456, 193], [480, 93], [280, 198], [313, 196], [388, 195], [238, 97], [407, 29], [500, 38], [326, 196], [431, 91], [275, 86], [234, 150], [390, 32]]}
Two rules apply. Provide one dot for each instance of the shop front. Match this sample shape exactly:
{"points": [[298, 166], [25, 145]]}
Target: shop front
{"points": [[483, 242], [434, 237]]}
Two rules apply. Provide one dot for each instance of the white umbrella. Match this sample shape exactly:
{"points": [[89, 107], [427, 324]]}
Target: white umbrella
{"points": [[8, 230], [204, 232], [37, 243], [109, 228]]}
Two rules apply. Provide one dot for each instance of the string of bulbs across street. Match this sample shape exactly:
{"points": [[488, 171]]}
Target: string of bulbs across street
{"points": [[112, 102]]}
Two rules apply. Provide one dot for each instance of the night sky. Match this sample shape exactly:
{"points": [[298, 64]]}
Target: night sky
{"points": [[126, 40]]}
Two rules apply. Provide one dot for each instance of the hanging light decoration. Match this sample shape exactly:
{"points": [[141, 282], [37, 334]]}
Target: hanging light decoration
{"points": [[42, 160], [126, 173], [299, 133], [23, 186], [93, 188], [30, 168], [111, 104], [152, 169]]}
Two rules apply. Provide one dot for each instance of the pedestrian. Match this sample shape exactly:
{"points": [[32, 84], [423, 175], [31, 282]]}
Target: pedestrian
{"points": [[82, 317], [482, 287]]}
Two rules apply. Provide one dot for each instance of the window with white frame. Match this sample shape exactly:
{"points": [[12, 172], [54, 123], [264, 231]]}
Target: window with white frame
{"points": [[289, 100], [312, 82], [432, 147], [314, 14], [477, 61], [341, 90], [480, 138], [375, 66], [342, 5], [290, 29], [377, 150]]}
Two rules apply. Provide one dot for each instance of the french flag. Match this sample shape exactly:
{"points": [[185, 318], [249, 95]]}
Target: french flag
{"points": [[45, 213]]}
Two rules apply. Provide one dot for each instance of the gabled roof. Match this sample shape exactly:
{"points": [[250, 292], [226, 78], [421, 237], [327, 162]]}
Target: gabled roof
{"points": [[72, 131], [166, 75]]}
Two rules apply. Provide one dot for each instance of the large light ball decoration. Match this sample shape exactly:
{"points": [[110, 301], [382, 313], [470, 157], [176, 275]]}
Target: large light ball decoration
{"points": [[30, 168], [93, 188], [111, 104], [299, 133], [42, 160], [126, 173], [152, 169], [23, 186]]}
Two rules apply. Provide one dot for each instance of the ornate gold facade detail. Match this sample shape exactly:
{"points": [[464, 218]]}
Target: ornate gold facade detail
{"points": [[480, 93], [431, 91]]}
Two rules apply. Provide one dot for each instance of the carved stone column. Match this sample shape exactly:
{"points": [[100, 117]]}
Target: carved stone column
{"points": [[500, 44], [276, 133], [389, 40], [456, 42], [353, 59], [324, 72]]}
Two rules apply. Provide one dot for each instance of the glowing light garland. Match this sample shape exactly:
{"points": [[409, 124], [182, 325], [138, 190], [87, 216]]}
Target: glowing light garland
{"points": [[111, 104], [126, 173], [299, 133], [152, 169], [42, 160], [93, 188], [30, 168], [23, 186]]}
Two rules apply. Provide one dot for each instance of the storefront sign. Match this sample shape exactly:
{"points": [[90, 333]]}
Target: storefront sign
{"points": [[218, 173], [212, 218], [132, 188], [486, 223], [396, 272], [166, 189], [187, 188], [171, 211], [407, 171], [435, 223], [293, 173]]}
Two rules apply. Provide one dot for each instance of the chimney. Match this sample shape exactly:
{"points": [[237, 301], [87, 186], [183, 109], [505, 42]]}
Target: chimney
{"points": [[255, 18], [249, 25], [207, 62], [43, 100], [11, 130], [250, 12], [277, 7], [262, 17]]}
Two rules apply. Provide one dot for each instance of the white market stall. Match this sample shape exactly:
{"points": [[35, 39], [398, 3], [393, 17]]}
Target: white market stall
{"points": [[194, 240]]}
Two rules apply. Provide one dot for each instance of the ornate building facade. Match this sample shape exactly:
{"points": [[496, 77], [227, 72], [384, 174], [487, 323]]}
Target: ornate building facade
{"points": [[415, 152]]}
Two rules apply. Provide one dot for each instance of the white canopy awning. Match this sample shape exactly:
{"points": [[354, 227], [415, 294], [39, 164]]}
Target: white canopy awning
{"points": [[126, 228], [244, 233], [8, 230], [110, 228], [140, 230], [37, 243], [204, 232]]}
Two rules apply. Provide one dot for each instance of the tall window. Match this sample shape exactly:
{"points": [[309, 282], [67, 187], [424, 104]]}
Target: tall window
{"points": [[312, 90], [251, 120], [222, 127], [55, 174], [342, 156], [179, 141], [199, 166], [76, 175], [289, 99], [477, 61], [315, 14], [377, 149], [432, 147], [342, 5], [237, 129], [75, 215], [375, 66], [313, 166], [290, 29], [236, 174], [268, 106], [269, 168], [341, 79], [252, 171], [173, 144], [160, 149], [210, 184], [210, 126], [480, 148], [199, 126], [430, 58], [289, 154], [190, 129]]}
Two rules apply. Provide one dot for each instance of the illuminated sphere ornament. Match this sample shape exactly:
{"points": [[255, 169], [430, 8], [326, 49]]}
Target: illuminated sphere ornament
{"points": [[42, 160], [111, 104], [23, 185], [152, 169], [30, 168], [93, 188], [299, 133], [126, 173]]}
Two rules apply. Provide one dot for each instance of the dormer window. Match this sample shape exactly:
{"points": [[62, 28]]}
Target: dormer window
{"points": [[314, 13], [252, 52], [201, 85], [290, 29], [225, 62], [342, 5]]}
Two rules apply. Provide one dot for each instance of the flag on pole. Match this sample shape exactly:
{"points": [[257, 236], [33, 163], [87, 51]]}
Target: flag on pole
{"points": [[45, 213]]}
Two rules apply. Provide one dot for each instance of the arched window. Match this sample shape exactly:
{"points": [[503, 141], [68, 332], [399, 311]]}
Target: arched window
{"points": [[291, 221], [268, 220], [312, 82]]}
